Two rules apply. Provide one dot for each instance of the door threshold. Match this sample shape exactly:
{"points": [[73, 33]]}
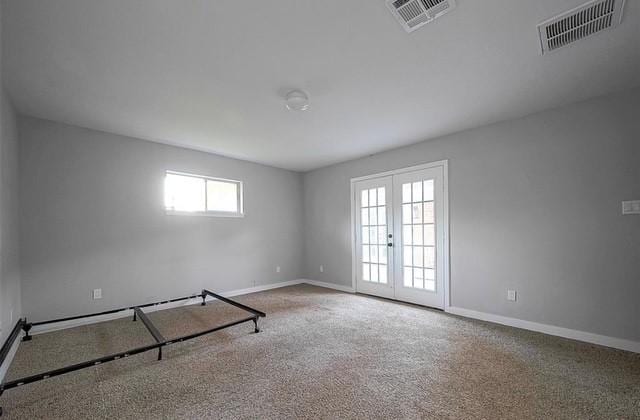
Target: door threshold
{"points": [[400, 301]]}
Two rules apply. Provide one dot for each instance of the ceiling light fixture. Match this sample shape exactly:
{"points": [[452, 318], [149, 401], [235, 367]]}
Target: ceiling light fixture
{"points": [[297, 100]]}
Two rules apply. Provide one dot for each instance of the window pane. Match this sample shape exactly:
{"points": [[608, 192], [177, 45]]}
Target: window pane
{"points": [[222, 196], [373, 201], [364, 198], [406, 193], [428, 190], [429, 235], [365, 217], [365, 235], [429, 216], [381, 197], [417, 192], [184, 193], [365, 253], [406, 214], [365, 272]]}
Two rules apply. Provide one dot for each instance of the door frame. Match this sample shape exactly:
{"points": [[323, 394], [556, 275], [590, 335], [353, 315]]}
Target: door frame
{"points": [[445, 184]]}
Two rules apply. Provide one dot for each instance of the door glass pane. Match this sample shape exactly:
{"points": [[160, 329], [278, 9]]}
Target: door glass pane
{"points": [[373, 216], [365, 272], [381, 197], [365, 217], [417, 192], [373, 201], [382, 215], [416, 210], [408, 277], [383, 274], [373, 235], [406, 235], [429, 235], [406, 193], [429, 216], [382, 234], [406, 214], [417, 234], [418, 229], [429, 256], [365, 253], [365, 235], [418, 278], [382, 254], [374, 254], [374, 273], [418, 256], [428, 190], [364, 198], [407, 251]]}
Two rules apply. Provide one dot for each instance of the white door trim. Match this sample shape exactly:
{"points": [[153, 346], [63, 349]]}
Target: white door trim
{"points": [[441, 163]]}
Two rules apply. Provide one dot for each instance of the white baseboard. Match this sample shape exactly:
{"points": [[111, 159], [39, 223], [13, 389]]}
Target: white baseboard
{"points": [[9, 359], [602, 340], [333, 286], [40, 329]]}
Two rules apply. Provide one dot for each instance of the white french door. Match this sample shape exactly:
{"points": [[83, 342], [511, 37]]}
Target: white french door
{"points": [[400, 236], [374, 219]]}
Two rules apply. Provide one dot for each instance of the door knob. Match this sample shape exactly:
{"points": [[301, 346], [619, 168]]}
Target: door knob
{"points": [[390, 244]]}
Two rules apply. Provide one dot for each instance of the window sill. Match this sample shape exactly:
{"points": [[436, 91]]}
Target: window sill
{"points": [[204, 214]]}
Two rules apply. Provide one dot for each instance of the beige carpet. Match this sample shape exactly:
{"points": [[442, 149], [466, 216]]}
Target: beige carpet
{"points": [[325, 354]]}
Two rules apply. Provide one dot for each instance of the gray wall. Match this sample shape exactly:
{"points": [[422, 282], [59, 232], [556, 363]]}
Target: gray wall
{"points": [[92, 216], [10, 303], [535, 205]]}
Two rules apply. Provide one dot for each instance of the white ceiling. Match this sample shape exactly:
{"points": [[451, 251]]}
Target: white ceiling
{"points": [[210, 75]]}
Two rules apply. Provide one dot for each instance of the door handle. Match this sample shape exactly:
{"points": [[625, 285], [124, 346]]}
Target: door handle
{"points": [[390, 244]]}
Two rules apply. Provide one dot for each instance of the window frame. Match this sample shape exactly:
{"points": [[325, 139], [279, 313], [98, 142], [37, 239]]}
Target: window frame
{"points": [[209, 213]]}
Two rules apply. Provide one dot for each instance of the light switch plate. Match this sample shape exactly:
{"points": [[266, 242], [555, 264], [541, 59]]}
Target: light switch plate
{"points": [[631, 207], [511, 295], [97, 294]]}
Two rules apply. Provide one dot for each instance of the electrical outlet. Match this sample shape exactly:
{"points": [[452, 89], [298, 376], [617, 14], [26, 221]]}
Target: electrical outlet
{"points": [[511, 295], [277, 269], [97, 294], [322, 268]]}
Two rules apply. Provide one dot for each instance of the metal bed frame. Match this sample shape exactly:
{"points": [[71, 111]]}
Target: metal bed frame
{"points": [[160, 340]]}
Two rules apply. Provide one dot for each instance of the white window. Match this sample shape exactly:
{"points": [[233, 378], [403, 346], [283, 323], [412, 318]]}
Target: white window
{"points": [[202, 195]]}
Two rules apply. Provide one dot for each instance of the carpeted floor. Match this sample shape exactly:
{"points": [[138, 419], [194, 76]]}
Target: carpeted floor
{"points": [[325, 354]]}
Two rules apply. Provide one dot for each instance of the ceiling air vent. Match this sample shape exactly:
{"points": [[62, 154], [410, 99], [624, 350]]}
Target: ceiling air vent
{"points": [[412, 14], [590, 18]]}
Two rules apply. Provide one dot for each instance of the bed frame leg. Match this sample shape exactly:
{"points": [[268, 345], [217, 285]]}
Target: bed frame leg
{"points": [[255, 323], [26, 328], [159, 353], [135, 316], [204, 302]]}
